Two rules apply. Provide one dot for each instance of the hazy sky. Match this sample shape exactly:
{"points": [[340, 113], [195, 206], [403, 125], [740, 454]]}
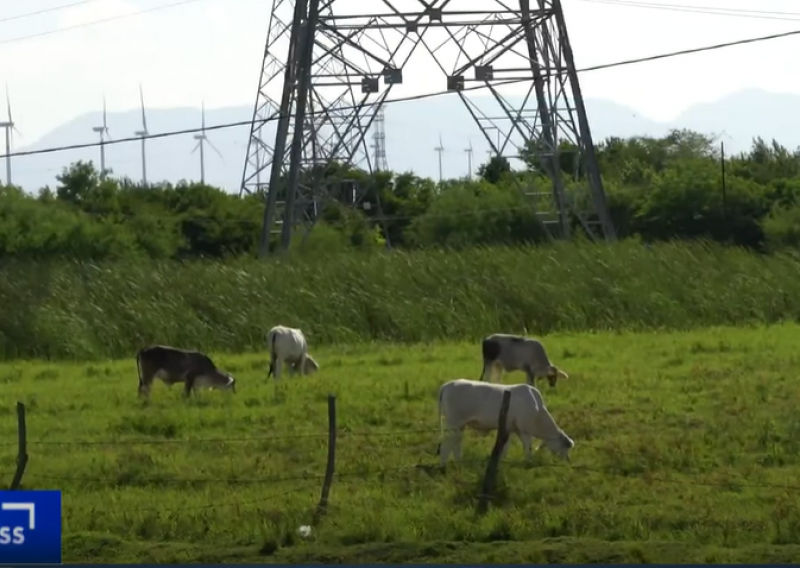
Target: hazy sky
{"points": [[56, 67]]}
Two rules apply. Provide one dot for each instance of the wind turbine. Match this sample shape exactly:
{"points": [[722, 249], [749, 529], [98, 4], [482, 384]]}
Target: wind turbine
{"points": [[201, 139], [103, 132], [143, 133], [9, 127], [440, 150], [469, 159]]}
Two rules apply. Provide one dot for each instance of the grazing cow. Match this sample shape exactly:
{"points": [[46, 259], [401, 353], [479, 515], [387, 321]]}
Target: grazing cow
{"points": [[477, 404], [289, 345], [503, 352], [173, 365]]}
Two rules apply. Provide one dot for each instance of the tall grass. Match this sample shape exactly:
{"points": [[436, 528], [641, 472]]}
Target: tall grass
{"points": [[87, 311]]}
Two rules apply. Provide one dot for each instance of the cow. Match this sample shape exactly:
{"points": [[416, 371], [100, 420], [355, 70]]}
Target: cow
{"points": [[289, 345], [476, 404], [504, 352], [173, 365]]}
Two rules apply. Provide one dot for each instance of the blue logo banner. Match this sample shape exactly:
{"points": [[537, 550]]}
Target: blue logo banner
{"points": [[30, 527]]}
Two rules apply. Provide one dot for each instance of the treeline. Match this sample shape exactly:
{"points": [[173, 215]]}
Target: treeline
{"points": [[659, 189]]}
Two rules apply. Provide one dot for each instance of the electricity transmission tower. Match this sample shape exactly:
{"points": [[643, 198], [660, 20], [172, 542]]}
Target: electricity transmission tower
{"points": [[379, 142], [344, 63]]}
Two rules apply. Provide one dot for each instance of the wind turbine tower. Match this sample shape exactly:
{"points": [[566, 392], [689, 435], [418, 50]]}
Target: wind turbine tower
{"points": [[440, 150], [103, 132], [201, 140], [143, 133], [469, 160], [8, 126]]}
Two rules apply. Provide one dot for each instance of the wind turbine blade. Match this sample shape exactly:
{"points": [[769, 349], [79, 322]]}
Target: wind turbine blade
{"points": [[8, 105], [203, 115], [105, 123], [196, 146], [144, 115], [215, 149]]}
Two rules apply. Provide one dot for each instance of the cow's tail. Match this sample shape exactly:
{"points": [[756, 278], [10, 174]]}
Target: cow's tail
{"points": [[271, 341]]}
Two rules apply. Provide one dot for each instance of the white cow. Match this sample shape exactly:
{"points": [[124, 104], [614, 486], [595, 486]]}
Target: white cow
{"points": [[477, 404], [289, 345]]}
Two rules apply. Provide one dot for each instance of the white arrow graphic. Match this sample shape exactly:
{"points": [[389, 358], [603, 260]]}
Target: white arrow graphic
{"points": [[29, 507]]}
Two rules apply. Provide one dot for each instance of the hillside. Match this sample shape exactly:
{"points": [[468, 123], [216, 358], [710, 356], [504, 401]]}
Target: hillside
{"points": [[738, 117]]}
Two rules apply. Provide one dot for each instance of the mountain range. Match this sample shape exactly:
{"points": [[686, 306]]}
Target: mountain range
{"points": [[412, 132]]}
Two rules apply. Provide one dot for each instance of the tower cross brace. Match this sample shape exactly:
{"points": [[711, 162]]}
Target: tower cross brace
{"points": [[337, 67]]}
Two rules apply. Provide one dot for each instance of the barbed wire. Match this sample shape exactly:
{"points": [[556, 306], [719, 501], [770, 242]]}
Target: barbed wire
{"points": [[362, 471], [361, 475], [344, 432]]}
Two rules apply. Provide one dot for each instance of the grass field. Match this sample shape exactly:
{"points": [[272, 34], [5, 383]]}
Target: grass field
{"points": [[687, 450]]}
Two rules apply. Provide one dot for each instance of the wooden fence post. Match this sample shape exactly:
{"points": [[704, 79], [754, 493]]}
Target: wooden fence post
{"points": [[494, 460], [22, 447], [329, 468]]}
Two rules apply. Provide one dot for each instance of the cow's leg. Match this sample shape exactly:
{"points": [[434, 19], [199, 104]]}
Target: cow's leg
{"points": [[451, 443], [278, 367], [497, 372], [146, 383], [530, 376], [188, 384], [526, 445], [505, 448], [301, 365], [486, 373]]}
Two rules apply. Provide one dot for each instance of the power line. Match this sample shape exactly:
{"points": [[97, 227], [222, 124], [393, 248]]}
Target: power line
{"points": [[733, 12], [101, 21], [46, 10], [688, 51], [622, 63]]}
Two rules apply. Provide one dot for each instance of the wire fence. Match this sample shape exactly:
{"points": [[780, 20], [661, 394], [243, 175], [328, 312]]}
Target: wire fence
{"points": [[311, 481]]}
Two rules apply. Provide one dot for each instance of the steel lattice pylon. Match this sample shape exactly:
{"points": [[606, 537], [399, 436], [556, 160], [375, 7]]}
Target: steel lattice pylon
{"points": [[344, 65]]}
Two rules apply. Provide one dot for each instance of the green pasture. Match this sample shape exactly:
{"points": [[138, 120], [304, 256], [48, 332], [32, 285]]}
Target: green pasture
{"points": [[687, 447]]}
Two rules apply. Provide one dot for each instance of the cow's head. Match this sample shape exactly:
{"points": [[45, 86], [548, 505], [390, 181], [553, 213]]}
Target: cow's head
{"points": [[216, 379], [310, 366], [553, 374], [230, 383], [560, 445]]}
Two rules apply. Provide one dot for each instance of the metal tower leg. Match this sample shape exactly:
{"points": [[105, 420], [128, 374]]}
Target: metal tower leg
{"points": [[353, 51]]}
